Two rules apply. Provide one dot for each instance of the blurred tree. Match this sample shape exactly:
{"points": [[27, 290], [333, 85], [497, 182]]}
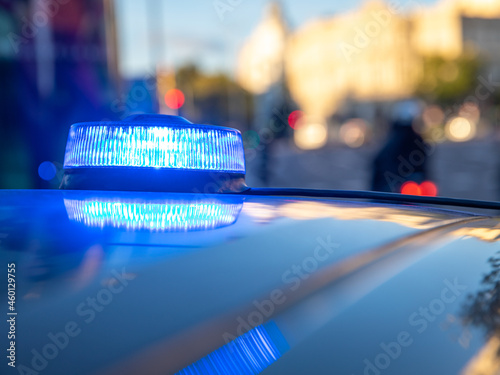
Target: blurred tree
{"points": [[448, 81], [214, 98]]}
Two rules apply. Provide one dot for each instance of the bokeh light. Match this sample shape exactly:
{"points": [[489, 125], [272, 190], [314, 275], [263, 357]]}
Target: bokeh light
{"points": [[310, 135], [174, 98], [428, 188], [460, 129], [411, 188], [353, 133], [47, 170], [251, 139], [294, 117], [433, 116], [470, 111]]}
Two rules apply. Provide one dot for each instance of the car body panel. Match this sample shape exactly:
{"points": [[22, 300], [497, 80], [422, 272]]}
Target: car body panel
{"points": [[184, 273]]}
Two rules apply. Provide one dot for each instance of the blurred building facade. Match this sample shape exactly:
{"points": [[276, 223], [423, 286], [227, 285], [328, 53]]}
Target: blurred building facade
{"points": [[376, 53], [260, 68]]}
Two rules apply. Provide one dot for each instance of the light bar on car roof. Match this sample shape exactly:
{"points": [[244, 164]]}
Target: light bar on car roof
{"points": [[154, 153]]}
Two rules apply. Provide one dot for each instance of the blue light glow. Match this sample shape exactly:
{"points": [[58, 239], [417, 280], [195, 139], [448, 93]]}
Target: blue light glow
{"points": [[192, 147], [248, 354], [162, 216], [47, 170]]}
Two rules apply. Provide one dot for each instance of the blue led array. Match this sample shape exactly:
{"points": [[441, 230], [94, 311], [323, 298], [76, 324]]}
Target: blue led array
{"points": [[248, 354], [164, 216], [192, 147]]}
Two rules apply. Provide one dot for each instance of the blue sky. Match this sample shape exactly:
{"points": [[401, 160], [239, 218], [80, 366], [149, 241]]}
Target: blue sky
{"points": [[193, 30]]}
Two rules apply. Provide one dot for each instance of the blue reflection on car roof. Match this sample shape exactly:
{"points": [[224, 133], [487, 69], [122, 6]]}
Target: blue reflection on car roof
{"points": [[250, 353], [167, 215]]}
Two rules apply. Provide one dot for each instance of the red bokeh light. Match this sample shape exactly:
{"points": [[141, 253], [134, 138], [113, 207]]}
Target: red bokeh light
{"points": [[294, 117], [429, 188], [426, 188], [174, 98], [411, 188]]}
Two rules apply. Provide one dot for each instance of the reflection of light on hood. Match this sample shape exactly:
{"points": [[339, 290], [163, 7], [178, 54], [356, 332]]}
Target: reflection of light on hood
{"points": [[163, 216], [485, 234], [259, 211], [249, 354], [305, 210], [486, 361]]}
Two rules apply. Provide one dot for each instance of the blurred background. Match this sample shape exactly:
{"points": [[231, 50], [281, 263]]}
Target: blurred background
{"points": [[400, 96]]}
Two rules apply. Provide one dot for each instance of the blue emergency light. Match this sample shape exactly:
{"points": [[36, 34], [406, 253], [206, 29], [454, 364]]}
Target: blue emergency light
{"points": [[153, 153]]}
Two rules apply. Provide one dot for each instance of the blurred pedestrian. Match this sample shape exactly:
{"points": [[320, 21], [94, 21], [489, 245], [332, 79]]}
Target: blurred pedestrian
{"points": [[404, 156]]}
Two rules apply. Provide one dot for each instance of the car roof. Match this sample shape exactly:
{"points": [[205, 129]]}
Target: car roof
{"points": [[196, 270]]}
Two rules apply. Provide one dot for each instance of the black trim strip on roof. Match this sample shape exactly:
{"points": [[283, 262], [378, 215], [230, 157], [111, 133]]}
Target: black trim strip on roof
{"points": [[372, 195]]}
